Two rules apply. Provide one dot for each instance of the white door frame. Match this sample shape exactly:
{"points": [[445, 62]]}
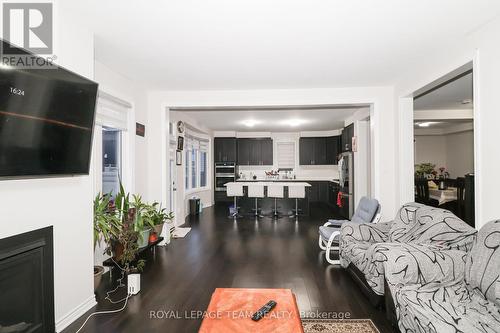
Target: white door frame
{"points": [[407, 148]]}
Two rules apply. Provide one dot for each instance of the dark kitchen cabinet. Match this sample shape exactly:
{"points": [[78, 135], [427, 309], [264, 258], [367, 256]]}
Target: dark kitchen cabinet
{"points": [[347, 135], [333, 191], [319, 191], [318, 150], [306, 151], [255, 151], [243, 151], [267, 151], [224, 150], [333, 149], [323, 191]]}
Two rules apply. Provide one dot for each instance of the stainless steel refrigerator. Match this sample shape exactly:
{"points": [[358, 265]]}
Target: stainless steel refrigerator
{"points": [[346, 182]]}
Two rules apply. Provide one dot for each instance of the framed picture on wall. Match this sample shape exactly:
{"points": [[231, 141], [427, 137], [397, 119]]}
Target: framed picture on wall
{"points": [[178, 157], [180, 143]]}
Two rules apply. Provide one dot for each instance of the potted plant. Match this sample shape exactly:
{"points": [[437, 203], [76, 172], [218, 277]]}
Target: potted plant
{"points": [[143, 222], [128, 238], [159, 216], [105, 228]]}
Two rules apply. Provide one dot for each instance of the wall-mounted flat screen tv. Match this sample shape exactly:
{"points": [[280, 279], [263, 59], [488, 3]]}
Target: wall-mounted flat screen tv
{"points": [[46, 122]]}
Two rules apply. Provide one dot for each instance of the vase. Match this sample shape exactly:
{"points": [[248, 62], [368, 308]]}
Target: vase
{"points": [[158, 229], [143, 239]]}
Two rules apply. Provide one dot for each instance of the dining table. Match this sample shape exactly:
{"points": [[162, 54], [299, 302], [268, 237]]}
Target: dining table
{"points": [[443, 196]]}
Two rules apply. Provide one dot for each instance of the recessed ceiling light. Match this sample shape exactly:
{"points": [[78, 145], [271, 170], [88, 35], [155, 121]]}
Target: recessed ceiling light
{"points": [[294, 122], [426, 124], [250, 122]]}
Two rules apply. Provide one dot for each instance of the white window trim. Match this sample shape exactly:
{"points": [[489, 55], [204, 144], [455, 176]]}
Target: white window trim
{"points": [[124, 119], [188, 170]]}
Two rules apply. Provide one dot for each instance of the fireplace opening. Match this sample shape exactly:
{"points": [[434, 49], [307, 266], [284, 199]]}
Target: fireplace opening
{"points": [[27, 282]]}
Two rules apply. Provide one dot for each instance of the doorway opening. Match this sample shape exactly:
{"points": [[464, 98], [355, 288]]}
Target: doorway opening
{"points": [[444, 146]]}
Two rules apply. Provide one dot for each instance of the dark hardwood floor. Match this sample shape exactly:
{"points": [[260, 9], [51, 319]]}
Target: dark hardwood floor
{"points": [[219, 252]]}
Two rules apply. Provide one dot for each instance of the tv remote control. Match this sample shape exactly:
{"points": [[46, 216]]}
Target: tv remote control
{"points": [[263, 311]]}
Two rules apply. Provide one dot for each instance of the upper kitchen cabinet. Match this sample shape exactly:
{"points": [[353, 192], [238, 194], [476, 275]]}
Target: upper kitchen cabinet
{"points": [[225, 150], [255, 151], [347, 135], [318, 150], [333, 149]]}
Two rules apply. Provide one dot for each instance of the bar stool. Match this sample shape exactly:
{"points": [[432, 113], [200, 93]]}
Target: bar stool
{"points": [[235, 190], [256, 190], [296, 192], [275, 191]]}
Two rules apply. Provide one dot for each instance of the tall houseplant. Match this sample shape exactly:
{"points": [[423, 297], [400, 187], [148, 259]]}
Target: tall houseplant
{"points": [[106, 226], [123, 246], [143, 222]]}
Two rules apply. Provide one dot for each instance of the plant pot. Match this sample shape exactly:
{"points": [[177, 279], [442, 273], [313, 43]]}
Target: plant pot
{"points": [[158, 229], [143, 239], [98, 271], [117, 249]]}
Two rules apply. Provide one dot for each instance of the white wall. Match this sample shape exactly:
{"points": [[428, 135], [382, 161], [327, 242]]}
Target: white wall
{"points": [[65, 203], [431, 149], [454, 151], [481, 46], [382, 116], [460, 153]]}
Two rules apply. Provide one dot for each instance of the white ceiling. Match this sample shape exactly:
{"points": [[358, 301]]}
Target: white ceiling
{"points": [[273, 120], [449, 96], [260, 44]]}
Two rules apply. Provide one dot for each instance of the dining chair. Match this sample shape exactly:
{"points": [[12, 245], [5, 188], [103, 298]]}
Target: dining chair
{"points": [[460, 205], [469, 211], [422, 193]]}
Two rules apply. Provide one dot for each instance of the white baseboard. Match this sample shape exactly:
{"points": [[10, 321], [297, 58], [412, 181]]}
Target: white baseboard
{"points": [[75, 313]]}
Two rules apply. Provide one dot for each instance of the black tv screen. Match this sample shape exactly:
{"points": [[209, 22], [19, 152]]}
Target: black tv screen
{"points": [[46, 122]]}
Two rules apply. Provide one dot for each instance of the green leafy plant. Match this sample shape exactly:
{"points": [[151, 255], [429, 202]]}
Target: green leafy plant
{"points": [[159, 215], [424, 169], [106, 222]]}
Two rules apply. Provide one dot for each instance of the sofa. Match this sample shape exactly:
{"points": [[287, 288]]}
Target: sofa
{"points": [[447, 290], [364, 248]]}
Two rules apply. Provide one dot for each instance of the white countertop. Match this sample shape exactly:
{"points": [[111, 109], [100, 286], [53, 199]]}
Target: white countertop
{"points": [[267, 183], [300, 179]]}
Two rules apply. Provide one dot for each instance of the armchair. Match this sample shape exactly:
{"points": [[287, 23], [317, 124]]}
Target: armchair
{"points": [[329, 233]]}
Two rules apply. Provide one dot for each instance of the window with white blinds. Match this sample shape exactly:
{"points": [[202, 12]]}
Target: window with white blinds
{"points": [[196, 153], [286, 154], [112, 112]]}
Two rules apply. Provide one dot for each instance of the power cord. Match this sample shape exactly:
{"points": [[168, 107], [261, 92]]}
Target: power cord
{"points": [[120, 284]]}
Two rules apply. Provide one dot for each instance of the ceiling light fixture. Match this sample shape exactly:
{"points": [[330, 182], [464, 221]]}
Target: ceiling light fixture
{"points": [[250, 122], [426, 124], [294, 122]]}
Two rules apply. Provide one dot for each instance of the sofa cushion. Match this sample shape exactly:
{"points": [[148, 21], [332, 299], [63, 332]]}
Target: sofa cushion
{"points": [[404, 221], [445, 309], [439, 227], [482, 270]]}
